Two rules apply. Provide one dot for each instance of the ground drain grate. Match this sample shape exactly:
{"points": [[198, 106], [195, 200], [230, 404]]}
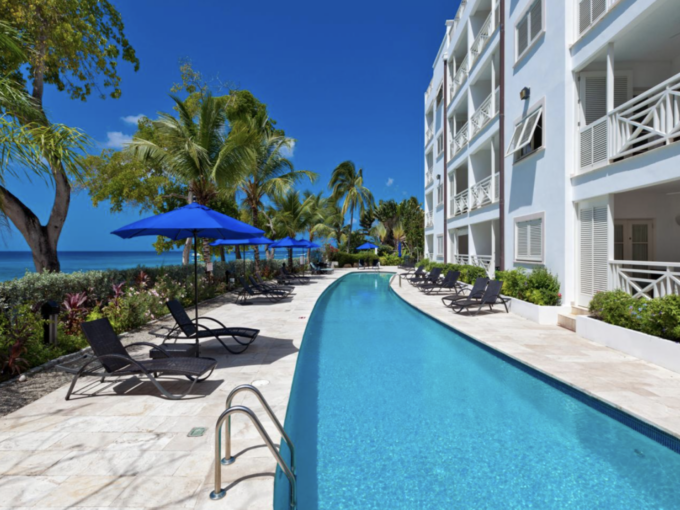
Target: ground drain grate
{"points": [[197, 432]]}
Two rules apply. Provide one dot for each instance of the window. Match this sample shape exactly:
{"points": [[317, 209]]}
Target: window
{"points": [[527, 137], [440, 95], [589, 11], [529, 28], [440, 246], [440, 194], [440, 144], [529, 239]]}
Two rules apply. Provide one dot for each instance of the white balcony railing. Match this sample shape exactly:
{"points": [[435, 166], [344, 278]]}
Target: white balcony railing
{"points": [[484, 261], [429, 134], [482, 38], [486, 111], [429, 220], [460, 140], [461, 259], [429, 178], [645, 279], [644, 123], [460, 203], [460, 76], [481, 193]]}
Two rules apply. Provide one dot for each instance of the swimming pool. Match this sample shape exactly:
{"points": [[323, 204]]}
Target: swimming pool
{"points": [[392, 410]]}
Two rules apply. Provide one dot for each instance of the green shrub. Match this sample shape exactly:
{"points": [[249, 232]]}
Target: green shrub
{"points": [[353, 259], [539, 287], [390, 260], [659, 316]]}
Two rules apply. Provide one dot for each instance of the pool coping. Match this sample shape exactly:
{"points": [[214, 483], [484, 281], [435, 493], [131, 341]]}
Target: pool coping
{"points": [[654, 431]]}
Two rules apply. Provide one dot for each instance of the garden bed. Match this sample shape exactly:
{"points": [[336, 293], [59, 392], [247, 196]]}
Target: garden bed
{"points": [[653, 349], [536, 313]]}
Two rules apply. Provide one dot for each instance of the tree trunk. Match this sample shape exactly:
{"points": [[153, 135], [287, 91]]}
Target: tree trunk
{"points": [[186, 254], [290, 259], [256, 249], [237, 251], [349, 238], [223, 257]]}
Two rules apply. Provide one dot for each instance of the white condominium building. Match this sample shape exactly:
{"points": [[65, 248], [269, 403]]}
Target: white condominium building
{"points": [[550, 140]]}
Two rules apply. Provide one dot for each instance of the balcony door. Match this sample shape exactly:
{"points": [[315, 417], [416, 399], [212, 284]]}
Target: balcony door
{"points": [[634, 240]]}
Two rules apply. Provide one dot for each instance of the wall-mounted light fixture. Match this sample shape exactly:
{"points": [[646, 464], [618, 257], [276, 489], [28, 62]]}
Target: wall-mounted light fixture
{"points": [[524, 93], [439, 177]]}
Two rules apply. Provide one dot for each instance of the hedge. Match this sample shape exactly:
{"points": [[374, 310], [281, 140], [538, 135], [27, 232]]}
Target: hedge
{"points": [[539, 286], [658, 317], [468, 274]]}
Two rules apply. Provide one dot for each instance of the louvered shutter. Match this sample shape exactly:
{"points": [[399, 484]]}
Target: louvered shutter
{"points": [[522, 36], [594, 253], [522, 240], [584, 15], [595, 106], [598, 9], [620, 90], [536, 19]]}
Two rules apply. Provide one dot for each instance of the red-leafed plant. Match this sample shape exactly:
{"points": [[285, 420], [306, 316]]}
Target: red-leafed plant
{"points": [[75, 308], [19, 333], [142, 280]]}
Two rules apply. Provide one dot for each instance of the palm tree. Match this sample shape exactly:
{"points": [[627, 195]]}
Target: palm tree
{"points": [[271, 173], [347, 185], [289, 216], [199, 150], [399, 234]]}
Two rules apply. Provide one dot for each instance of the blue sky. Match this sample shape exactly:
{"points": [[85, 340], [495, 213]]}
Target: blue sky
{"points": [[345, 79]]}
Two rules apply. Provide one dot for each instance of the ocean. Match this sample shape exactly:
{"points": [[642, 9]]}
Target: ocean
{"points": [[14, 264]]}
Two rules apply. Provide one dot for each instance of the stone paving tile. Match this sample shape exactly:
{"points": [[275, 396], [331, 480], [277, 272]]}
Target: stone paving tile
{"points": [[120, 445]]}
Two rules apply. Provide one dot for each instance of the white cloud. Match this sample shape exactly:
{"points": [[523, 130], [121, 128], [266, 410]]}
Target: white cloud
{"points": [[288, 152], [116, 140], [390, 181], [132, 119]]}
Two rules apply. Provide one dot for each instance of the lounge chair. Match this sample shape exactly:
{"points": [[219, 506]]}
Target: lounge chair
{"points": [[492, 296], [281, 286], [269, 289], [431, 278], [294, 277], [450, 282], [417, 275], [361, 264], [410, 271], [111, 356], [249, 291], [476, 292], [407, 266], [242, 336], [320, 270], [376, 264]]}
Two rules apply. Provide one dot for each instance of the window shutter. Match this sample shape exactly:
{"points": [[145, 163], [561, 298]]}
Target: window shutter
{"points": [[586, 148], [522, 240], [599, 152], [620, 90], [600, 252], [522, 36], [583, 15], [595, 98], [536, 239], [536, 19], [593, 251], [598, 9]]}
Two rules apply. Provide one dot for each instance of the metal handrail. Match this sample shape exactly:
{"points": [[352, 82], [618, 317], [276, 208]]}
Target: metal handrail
{"points": [[228, 458], [219, 492]]}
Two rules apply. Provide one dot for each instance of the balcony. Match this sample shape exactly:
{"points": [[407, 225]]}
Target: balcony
{"points": [[429, 220], [486, 111], [460, 204], [429, 135], [484, 192], [460, 140], [483, 37], [460, 76], [429, 178], [440, 195], [646, 122]]}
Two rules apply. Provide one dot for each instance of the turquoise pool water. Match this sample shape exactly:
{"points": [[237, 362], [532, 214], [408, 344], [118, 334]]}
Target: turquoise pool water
{"points": [[391, 410]]}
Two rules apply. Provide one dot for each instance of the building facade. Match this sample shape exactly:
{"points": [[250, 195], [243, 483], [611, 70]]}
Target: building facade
{"points": [[559, 124]]}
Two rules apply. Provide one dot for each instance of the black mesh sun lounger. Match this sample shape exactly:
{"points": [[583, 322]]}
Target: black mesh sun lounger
{"points": [[492, 296], [431, 278], [242, 336], [268, 289], [111, 356], [476, 292], [450, 282], [248, 291]]}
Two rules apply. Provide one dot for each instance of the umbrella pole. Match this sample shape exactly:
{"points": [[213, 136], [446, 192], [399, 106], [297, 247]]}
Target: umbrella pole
{"points": [[196, 286]]}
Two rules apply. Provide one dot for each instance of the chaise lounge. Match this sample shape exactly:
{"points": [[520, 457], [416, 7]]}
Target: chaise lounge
{"points": [[492, 296], [242, 336], [111, 356]]}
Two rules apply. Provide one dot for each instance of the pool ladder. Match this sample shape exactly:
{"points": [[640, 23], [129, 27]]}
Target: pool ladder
{"points": [[219, 492]]}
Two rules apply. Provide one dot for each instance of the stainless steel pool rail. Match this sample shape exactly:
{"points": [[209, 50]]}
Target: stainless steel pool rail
{"points": [[219, 492]]}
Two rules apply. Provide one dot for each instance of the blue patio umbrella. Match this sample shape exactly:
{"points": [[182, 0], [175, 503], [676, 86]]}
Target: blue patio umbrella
{"points": [[367, 246], [286, 242], [255, 241], [399, 248], [193, 220]]}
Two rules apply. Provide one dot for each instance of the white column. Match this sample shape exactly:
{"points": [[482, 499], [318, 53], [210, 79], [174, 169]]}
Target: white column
{"points": [[492, 265], [610, 77], [493, 170]]}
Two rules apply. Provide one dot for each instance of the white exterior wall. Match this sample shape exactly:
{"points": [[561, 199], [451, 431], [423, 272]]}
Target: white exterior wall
{"points": [[550, 183]]}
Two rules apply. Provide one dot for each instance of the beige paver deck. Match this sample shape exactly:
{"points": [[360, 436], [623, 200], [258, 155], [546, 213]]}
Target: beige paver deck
{"points": [[128, 448], [646, 391]]}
